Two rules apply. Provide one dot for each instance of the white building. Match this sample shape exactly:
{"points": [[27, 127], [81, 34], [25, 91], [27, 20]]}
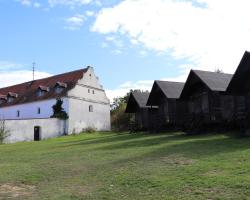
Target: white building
{"points": [[26, 108]]}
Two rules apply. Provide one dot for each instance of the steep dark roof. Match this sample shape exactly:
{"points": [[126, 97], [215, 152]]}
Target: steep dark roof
{"points": [[170, 90], [137, 99], [27, 92], [240, 82], [214, 81]]}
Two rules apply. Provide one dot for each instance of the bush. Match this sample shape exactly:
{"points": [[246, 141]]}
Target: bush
{"points": [[58, 111], [4, 133], [120, 120], [90, 130]]}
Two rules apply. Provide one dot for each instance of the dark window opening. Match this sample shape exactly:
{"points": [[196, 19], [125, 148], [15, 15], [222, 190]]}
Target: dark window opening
{"points": [[18, 113], [37, 135], [91, 109]]}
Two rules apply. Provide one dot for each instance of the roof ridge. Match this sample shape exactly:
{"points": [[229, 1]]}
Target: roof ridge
{"points": [[198, 70], [169, 81], [32, 81]]}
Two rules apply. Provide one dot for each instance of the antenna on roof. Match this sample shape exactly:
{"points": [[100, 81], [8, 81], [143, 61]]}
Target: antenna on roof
{"points": [[33, 70]]}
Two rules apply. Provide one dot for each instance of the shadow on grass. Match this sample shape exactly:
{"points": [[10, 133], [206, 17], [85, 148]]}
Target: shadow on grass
{"points": [[121, 138], [196, 148]]}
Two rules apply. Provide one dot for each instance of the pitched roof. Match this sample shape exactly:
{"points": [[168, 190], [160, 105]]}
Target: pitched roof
{"points": [[137, 99], [27, 92], [172, 90], [240, 82], [168, 89], [214, 81]]}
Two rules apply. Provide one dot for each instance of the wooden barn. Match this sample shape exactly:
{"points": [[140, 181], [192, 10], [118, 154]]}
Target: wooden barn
{"points": [[240, 88], [165, 95], [137, 105], [207, 100]]}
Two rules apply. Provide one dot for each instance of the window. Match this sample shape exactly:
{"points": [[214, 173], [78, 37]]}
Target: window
{"points": [[88, 90], [10, 99], [91, 108], [59, 90], [93, 91], [39, 110], [40, 93], [18, 113]]}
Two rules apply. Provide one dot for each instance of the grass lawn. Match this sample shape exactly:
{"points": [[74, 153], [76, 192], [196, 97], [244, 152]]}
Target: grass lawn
{"points": [[127, 166]]}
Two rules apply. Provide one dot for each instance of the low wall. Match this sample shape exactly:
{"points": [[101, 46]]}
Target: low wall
{"points": [[23, 130]]}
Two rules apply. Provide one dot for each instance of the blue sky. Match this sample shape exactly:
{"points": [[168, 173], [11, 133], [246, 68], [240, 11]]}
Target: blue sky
{"points": [[129, 43]]}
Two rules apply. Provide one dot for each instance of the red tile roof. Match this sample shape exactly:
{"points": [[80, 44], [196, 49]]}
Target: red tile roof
{"points": [[27, 92]]}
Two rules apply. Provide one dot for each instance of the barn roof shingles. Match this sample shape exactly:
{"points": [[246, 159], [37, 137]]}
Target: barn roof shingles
{"points": [[216, 81], [172, 90]]}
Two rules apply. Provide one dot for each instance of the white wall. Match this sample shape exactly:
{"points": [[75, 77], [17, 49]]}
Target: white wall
{"points": [[80, 117], [79, 100], [29, 110], [23, 130]]}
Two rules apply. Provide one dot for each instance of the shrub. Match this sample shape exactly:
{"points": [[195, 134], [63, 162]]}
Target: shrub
{"points": [[4, 133], [58, 111], [90, 130]]}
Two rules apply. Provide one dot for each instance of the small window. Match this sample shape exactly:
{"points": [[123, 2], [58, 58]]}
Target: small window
{"points": [[59, 90], [10, 99], [88, 90], [18, 113], [39, 110], [40, 93], [93, 91], [91, 108]]}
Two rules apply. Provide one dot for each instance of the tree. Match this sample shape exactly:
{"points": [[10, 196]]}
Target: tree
{"points": [[4, 133], [58, 111], [120, 120]]}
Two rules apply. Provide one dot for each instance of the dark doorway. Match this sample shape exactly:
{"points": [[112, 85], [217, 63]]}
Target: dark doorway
{"points": [[37, 133]]}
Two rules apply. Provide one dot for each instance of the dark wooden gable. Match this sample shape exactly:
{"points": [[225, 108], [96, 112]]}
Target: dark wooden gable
{"points": [[137, 100], [203, 81], [240, 83], [164, 90]]}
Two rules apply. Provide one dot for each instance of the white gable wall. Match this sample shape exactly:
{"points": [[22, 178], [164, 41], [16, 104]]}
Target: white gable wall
{"points": [[81, 97], [29, 110]]}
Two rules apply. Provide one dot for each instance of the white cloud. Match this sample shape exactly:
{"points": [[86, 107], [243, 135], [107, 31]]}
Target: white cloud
{"points": [[8, 78], [37, 5], [71, 3], [144, 85], [25, 2], [75, 22], [89, 13], [8, 65], [213, 36]]}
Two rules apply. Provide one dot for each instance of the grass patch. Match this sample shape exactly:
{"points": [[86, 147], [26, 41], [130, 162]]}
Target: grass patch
{"points": [[127, 166]]}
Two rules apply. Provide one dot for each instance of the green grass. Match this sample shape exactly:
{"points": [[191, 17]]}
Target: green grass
{"points": [[127, 166]]}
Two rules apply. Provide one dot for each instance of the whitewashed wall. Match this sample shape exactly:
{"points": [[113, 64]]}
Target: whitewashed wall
{"points": [[81, 97], [80, 117], [29, 110], [23, 130]]}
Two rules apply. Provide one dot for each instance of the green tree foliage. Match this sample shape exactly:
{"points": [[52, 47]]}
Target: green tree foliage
{"points": [[120, 121], [4, 133], [58, 111]]}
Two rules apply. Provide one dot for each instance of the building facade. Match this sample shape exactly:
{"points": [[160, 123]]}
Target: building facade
{"points": [[84, 100]]}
